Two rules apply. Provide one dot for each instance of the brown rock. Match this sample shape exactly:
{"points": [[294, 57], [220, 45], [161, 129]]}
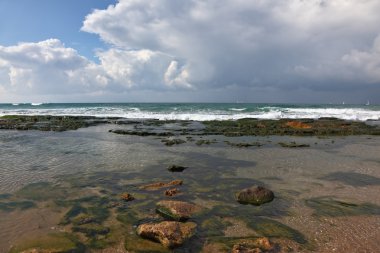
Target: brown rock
{"points": [[297, 125], [169, 233], [171, 192], [127, 197], [256, 195], [176, 210], [257, 245], [159, 185]]}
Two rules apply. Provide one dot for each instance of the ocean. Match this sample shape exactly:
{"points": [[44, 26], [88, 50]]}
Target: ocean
{"points": [[195, 111]]}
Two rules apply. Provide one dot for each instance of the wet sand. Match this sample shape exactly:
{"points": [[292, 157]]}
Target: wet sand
{"points": [[327, 194]]}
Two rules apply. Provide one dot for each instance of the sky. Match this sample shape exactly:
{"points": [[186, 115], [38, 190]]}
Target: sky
{"points": [[290, 51]]}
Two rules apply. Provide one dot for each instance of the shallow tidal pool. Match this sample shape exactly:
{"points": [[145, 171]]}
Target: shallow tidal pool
{"points": [[63, 189]]}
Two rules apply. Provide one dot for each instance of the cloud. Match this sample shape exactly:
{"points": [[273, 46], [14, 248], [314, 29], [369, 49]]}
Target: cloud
{"points": [[252, 48], [246, 43], [47, 67]]}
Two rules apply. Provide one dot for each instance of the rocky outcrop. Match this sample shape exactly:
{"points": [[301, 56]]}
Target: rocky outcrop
{"points": [[170, 234], [126, 196], [177, 210], [256, 195]]}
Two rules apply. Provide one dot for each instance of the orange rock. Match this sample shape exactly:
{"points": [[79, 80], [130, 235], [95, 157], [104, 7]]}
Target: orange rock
{"points": [[171, 192], [298, 125], [257, 245], [169, 233], [126, 197], [159, 185]]}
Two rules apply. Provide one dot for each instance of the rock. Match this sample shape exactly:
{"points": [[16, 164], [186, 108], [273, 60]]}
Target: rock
{"points": [[83, 219], [169, 233], [171, 192], [159, 185], [298, 125], [126, 197], [177, 210], [257, 245], [256, 195], [176, 168], [293, 145]]}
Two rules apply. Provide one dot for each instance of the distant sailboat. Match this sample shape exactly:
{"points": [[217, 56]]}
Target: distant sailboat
{"points": [[367, 102]]}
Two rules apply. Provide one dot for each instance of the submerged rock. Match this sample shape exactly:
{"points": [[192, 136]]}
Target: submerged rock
{"points": [[252, 246], [177, 210], [176, 168], [171, 142], [169, 233], [159, 185], [256, 195], [127, 197], [171, 192]]}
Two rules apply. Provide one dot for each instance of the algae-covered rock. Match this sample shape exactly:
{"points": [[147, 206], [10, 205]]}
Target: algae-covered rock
{"points": [[91, 229], [256, 195], [177, 210], [52, 243], [170, 234]]}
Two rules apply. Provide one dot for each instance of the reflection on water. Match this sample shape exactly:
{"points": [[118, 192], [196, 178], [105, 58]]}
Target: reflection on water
{"points": [[70, 183]]}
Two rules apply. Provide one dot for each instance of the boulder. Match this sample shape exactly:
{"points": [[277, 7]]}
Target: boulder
{"points": [[256, 195], [170, 234], [176, 210]]}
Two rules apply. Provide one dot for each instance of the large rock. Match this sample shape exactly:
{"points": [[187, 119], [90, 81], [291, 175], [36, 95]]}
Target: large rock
{"points": [[256, 195], [170, 234], [177, 210]]}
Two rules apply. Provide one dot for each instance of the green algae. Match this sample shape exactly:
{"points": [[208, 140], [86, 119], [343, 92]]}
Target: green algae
{"points": [[352, 178], [272, 228], [328, 206], [41, 191], [13, 205], [55, 243]]}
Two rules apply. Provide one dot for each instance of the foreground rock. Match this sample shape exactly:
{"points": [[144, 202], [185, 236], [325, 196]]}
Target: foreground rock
{"points": [[177, 210], [159, 185], [256, 195], [252, 246], [170, 234]]}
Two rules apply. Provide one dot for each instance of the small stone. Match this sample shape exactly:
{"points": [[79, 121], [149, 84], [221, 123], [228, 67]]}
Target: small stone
{"points": [[127, 197], [171, 192], [170, 234], [257, 245], [176, 168], [256, 195]]}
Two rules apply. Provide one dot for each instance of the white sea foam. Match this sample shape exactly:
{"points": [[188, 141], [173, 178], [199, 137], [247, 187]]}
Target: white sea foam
{"points": [[36, 104], [238, 109], [359, 114]]}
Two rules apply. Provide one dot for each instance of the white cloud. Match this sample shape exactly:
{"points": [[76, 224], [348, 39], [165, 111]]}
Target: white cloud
{"points": [[196, 45], [242, 42]]}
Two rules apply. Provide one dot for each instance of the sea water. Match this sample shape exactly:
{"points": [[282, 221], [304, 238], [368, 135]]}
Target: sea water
{"points": [[195, 111]]}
